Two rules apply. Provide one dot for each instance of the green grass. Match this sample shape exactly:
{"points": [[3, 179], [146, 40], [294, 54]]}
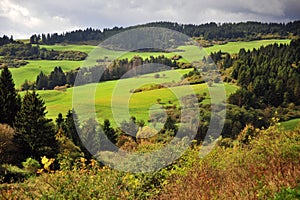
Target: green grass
{"points": [[110, 54], [234, 47], [32, 70], [82, 48], [290, 125], [140, 104]]}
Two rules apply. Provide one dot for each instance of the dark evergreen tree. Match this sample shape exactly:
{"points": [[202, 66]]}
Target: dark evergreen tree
{"points": [[56, 78], [35, 135], [70, 129], [9, 99], [41, 81], [59, 121], [270, 74], [109, 131]]}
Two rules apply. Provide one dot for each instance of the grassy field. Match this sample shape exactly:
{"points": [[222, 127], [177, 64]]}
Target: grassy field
{"points": [[234, 47], [140, 104], [104, 53], [83, 48], [290, 125]]}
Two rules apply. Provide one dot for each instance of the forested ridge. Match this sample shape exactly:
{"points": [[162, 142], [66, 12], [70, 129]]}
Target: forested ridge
{"points": [[209, 31]]}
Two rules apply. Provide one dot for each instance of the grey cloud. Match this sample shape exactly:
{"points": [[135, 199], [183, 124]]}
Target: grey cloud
{"points": [[54, 15]]}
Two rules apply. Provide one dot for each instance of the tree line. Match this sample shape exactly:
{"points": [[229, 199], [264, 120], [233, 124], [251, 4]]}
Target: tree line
{"points": [[6, 40], [208, 31]]}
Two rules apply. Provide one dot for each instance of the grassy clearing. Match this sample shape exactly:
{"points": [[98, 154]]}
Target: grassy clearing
{"points": [[234, 47], [290, 125]]}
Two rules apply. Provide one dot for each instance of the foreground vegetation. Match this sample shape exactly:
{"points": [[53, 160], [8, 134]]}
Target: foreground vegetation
{"points": [[261, 164]]}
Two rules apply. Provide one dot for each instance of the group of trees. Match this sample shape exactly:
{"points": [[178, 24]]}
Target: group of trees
{"points": [[209, 31], [34, 133], [6, 40], [269, 76], [30, 52], [222, 59], [56, 78]]}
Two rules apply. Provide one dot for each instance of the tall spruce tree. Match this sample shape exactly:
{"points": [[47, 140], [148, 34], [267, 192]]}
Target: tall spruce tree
{"points": [[41, 81], [9, 100], [109, 131], [69, 127], [35, 134]]}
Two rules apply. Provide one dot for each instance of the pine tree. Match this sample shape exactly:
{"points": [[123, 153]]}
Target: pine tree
{"points": [[70, 127], [9, 100], [41, 81], [59, 121], [109, 131], [35, 134]]}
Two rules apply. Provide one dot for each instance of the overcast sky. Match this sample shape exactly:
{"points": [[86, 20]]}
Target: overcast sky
{"points": [[22, 18]]}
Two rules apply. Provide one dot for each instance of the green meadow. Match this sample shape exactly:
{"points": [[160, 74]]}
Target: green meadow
{"points": [[117, 93], [71, 47], [234, 47], [290, 125]]}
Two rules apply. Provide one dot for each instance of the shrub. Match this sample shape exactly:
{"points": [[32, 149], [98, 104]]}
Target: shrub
{"points": [[156, 75]]}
